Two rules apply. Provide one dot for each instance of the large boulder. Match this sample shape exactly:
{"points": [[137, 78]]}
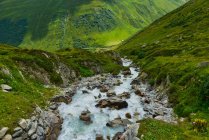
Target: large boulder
{"points": [[85, 116], [118, 122], [112, 103], [61, 98], [111, 94], [104, 89]]}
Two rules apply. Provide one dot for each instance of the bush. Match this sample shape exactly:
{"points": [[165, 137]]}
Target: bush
{"points": [[200, 125]]}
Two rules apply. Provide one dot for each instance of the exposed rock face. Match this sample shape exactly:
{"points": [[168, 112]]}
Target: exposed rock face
{"points": [[99, 137], [112, 103]]}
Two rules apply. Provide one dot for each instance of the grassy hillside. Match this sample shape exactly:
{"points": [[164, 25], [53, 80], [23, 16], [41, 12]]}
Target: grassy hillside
{"points": [[27, 71], [174, 52], [52, 24]]}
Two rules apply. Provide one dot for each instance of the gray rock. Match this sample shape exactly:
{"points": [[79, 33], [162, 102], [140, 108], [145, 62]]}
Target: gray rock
{"points": [[17, 129], [40, 122], [40, 131], [33, 128], [34, 137], [23, 124], [7, 137], [3, 131], [18, 133], [6, 88], [19, 138], [53, 107]]}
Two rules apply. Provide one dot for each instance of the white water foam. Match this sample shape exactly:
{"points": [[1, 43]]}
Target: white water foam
{"points": [[75, 129]]}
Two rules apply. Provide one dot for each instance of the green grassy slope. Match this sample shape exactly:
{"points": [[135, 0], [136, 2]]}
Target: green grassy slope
{"points": [[52, 24], [27, 71], [175, 47]]}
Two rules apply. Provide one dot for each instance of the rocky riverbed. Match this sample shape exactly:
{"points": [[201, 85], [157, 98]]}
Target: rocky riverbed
{"points": [[104, 105]]}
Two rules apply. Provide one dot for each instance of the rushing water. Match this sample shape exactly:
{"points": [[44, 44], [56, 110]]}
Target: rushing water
{"points": [[75, 129]]}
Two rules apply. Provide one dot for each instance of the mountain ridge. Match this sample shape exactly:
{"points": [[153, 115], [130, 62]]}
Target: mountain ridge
{"points": [[52, 25]]}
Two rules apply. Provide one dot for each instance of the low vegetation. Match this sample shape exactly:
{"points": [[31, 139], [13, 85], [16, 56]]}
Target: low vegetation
{"points": [[174, 51], [28, 71]]}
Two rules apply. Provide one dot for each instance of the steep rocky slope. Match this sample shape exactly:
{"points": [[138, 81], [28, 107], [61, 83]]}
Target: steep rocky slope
{"points": [[52, 24]]}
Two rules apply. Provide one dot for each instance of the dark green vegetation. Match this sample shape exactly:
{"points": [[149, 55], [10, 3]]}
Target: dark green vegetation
{"points": [[55, 24], [27, 71], [174, 51]]}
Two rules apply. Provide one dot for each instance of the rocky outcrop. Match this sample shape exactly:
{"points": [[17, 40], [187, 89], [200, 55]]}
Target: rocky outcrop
{"points": [[45, 124]]}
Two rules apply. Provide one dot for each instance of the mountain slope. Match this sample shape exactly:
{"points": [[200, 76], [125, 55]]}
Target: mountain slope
{"points": [[52, 24], [28, 71], [174, 52], [176, 47]]}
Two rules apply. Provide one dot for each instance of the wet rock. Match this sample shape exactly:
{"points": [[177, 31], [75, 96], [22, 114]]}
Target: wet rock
{"points": [[127, 72], [114, 123], [99, 96], [117, 122], [61, 98], [85, 92], [117, 136], [111, 94], [135, 82], [112, 103], [104, 89], [128, 115], [139, 93], [6, 88], [85, 116], [7, 137], [125, 95], [3, 132], [99, 137]]}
